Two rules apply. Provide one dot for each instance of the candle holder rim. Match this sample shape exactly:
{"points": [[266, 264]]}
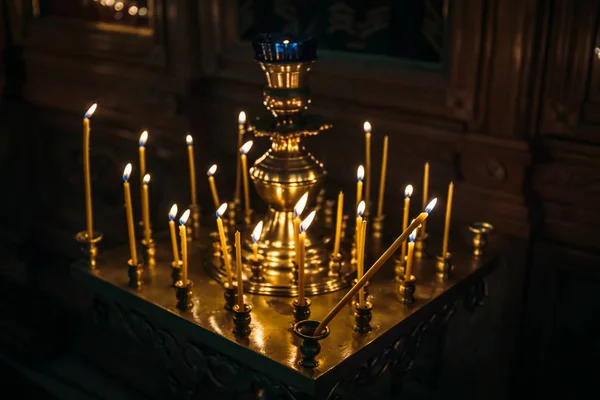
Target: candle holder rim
{"points": [[307, 302], [481, 227], [177, 264], [179, 284], [411, 280], [82, 237], [312, 324], [247, 309], [368, 306], [148, 244]]}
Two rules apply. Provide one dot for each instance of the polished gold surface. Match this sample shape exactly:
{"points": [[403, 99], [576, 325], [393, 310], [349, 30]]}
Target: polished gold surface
{"points": [[271, 347], [286, 75]]}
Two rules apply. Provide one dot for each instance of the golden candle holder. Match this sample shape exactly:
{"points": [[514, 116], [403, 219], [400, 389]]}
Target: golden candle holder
{"points": [[378, 225], [135, 272], [183, 293], [89, 247], [406, 290], [399, 267], [149, 254], [257, 269], [336, 261], [480, 231], [230, 295], [362, 317], [310, 347], [301, 311], [421, 246], [443, 266], [176, 272], [241, 320]]}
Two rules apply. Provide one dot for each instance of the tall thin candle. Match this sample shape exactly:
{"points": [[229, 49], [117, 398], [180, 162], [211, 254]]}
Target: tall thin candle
{"points": [[243, 156], [338, 223], [375, 267], [238, 268], [142, 150], [360, 176], [192, 165], [367, 129], [407, 193], [129, 214], [86, 172], [184, 249], [409, 257], [360, 210], [238, 170], [298, 209], [220, 211], [255, 238], [423, 229], [172, 216], [448, 218], [146, 208], [384, 158], [213, 187], [361, 261], [300, 249]]}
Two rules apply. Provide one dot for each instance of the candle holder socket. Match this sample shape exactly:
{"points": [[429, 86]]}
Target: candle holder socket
{"points": [[480, 231], [378, 226], [241, 320], [444, 266], [362, 317], [421, 247], [135, 272], [256, 266], [149, 253], [310, 346], [301, 311], [183, 293], [399, 267], [335, 264], [89, 247], [176, 272], [230, 295], [406, 290]]}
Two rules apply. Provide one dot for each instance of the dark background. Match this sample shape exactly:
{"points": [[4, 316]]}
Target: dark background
{"points": [[502, 97]]}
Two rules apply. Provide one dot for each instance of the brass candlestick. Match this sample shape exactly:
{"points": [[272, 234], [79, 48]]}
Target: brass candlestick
{"points": [[301, 311], [230, 295], [287, 170], [362, 317], [335, 264], [241, 320], [89, 247], [257, 269], [183, 293], [480, 232], [135, 272], [176, 272], [310, 347], [149, 253], [443, 266], [406, 290]]}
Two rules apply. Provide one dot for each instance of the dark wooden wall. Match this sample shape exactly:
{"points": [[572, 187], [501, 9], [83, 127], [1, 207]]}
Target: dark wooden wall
{"points": [[511, 115]]}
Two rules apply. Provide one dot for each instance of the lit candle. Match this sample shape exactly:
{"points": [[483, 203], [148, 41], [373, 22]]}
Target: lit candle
{"points": [[220, 211], [367, 129], [338, 223], [213, 187], [407, 193], [300, 250], [425, 196], [238, 267], [360, 176], [298, 208], [361, 262], [129, 214], [360, 210], [86, 172], [238, 171], [375, 267], [184, 251], [255, 238], [192, 164], [172, 215], [142, 151], [411, 252], [382, 178], [448, 217], [146, 208], [243, 152]]}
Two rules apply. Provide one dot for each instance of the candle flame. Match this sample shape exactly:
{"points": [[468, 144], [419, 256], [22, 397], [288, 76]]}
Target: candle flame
{"points": [[189, 140], [306, 223], [360, 209], [221, 210], [146, 179], [211, 171], [246, 147], [367, 127], [408, 191], [413, 235], [299, 207], [173, 212], [88, 114], [257, 232], [242, 118], [286, 41], [127, 172], [360, 173], [143, 138], [184, 217], [430, 206]]}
